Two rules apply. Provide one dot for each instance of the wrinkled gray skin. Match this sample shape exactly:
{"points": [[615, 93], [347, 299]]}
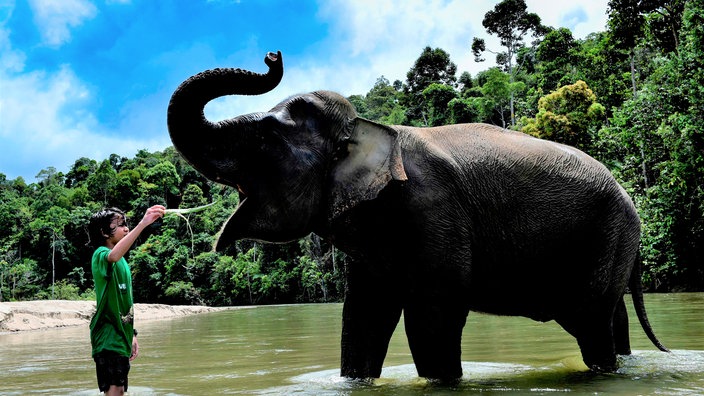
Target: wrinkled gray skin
{"points": [[437, 222]]}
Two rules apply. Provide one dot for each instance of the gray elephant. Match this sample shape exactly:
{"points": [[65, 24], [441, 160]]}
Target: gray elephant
{"points": [[436, 222]]}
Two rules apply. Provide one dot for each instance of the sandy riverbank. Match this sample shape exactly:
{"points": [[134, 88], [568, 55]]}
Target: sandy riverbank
{"points": [[46, 314]]}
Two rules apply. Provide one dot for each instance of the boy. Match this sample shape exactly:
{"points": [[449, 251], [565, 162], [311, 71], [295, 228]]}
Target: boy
{"points": [[112, 333]]}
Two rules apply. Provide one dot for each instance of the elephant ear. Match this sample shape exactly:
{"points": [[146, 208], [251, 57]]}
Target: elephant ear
{"points": [[373, 159]]}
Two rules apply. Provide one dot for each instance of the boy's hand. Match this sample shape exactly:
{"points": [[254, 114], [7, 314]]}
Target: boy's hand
{"points": [[135, 349], [153, 213]]}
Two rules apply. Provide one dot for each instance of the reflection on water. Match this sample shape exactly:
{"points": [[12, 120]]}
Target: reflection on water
{"points": [[295, 350]]}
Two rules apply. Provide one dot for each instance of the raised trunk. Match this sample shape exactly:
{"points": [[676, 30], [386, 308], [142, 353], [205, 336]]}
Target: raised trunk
{"points": [[203, 143]]}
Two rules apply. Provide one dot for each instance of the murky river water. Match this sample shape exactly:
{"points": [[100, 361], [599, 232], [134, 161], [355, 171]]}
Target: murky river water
{"points": [[295, 350]]}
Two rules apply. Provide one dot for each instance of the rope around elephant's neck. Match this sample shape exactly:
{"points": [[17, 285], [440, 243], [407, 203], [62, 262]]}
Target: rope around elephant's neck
{"points": [[181, 212]]}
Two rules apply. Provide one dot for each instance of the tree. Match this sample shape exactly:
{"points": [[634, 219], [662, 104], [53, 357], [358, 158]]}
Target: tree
{"points": [[192, 197], [382, 101], [5, 259], [79, 172], [556, 59], [498, 91], [54, 222], [664, 22], [570, 115], [433, 66], [463, 110], [510, 22], [102, 181], [360, 105], [627, 26], [437, 97], [23, 275], [679, 192], [632, 21], [661, 129], [466, 83], [165, 176], [50, 176]]}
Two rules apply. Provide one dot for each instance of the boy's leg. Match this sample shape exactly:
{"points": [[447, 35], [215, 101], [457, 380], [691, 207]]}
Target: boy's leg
{"points": [[115, 390], [112, 370]]}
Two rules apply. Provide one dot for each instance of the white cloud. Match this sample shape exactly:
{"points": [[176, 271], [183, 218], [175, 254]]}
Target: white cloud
{"points": [[55, 18], [371, 38], [45, 123], [45, 116], [368, 39], [386, 37], [582, 18]]}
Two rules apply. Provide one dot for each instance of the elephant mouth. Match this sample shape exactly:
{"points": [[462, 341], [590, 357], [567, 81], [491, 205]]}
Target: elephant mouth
{"points": [[241, 191], [242, 195], [272, 56]]}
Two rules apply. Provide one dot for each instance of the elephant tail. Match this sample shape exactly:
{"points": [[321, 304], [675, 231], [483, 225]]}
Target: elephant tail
{"points": [[639, 305]]}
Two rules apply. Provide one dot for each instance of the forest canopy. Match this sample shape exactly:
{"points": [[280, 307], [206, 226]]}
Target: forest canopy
{"points": [[631, 96]]}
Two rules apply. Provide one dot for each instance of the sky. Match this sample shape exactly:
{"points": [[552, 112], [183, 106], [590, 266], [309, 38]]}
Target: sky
{"points": [[82, 78]]}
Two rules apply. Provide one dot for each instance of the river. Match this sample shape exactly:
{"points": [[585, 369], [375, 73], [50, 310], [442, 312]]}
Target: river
{"points": [[295, 349]]}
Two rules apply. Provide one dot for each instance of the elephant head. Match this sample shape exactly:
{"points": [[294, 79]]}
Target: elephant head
{"points": [[297, 167]]}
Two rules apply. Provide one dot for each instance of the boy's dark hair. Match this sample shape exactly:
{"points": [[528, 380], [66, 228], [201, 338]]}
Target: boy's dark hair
{"points": [[100, 225]]}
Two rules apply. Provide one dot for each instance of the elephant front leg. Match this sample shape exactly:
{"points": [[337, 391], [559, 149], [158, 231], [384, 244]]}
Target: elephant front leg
{"points": [[367, 327], [435, 336], [366, 330], [369, 318]]}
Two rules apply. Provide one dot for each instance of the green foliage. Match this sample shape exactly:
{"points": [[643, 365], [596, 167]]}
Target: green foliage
{"points": [[436, 98], [639, 108], [432, 67], [570, 115], [498, 91], [463, 110], [656, 143], [510, 22], [182, 293], [557, 56], [62, 290]]}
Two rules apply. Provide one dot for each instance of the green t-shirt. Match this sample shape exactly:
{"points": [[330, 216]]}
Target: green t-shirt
{"points": [[111, 328]]}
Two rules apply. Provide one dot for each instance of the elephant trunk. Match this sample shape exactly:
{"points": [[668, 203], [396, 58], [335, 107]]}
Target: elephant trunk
{"points": [[205, 144]]}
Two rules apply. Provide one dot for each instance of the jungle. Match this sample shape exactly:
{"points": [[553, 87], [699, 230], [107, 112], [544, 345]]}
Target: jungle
{"points": [[631, 96]]}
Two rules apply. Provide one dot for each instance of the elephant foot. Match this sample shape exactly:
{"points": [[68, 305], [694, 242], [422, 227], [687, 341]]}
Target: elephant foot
{"points": [[444, 383], [595, 336], [599, 354], [603, 367], [440, 375], [357, 373]]}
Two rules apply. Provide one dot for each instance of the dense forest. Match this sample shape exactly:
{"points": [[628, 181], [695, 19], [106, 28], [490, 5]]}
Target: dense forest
{"points": [[631, 96]]}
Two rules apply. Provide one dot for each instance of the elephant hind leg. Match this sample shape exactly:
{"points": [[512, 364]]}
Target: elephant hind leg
{"points": [[594, 334], [435, 336], [621, 334]]}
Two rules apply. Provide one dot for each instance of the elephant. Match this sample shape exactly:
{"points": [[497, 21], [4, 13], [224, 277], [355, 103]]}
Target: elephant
{"points": [[435, 221]]}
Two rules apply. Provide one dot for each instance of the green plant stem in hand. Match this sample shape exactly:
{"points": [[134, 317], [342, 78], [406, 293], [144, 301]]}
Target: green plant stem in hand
{"points": [[188, 210], [180, 213]]}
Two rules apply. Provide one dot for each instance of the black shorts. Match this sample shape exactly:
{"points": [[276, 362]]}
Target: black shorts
{"points": [[112, 369]]}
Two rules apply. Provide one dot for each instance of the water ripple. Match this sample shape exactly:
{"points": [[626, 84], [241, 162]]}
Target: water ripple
{"points": [[645, 372]]}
